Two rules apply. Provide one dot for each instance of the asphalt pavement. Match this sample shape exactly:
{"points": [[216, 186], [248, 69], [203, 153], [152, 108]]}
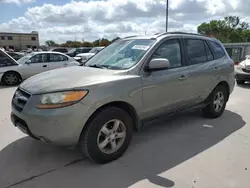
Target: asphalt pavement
{"points": [[182, 151]]}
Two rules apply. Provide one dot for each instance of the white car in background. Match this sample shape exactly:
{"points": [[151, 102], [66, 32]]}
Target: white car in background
{"points": [[13, 72], [83, 57]]}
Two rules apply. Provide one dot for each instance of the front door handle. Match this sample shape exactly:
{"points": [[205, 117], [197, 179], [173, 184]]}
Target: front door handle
{"points": [[44, 65], [183, 77]]}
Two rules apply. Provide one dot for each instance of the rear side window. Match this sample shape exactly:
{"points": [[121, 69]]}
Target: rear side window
{"points": [[217, 49], [57, 57], [5, 60], [195, 51]]}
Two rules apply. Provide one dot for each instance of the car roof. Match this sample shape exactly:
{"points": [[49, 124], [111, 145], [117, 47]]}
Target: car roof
{"points": [[48, 52]]}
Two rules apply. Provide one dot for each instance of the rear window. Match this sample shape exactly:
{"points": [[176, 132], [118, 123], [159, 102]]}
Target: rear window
{"points": [[217, 49], [5, 60]]}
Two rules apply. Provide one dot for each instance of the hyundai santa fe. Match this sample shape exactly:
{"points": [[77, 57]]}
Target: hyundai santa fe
{"points": [[133, 80]]}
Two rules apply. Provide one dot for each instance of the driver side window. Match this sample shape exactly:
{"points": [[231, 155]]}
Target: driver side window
{"points": [[170, 50], [39, 58]]}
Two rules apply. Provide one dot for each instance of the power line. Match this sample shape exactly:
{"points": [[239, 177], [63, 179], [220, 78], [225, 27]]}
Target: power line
{"points": [[166, 15]]}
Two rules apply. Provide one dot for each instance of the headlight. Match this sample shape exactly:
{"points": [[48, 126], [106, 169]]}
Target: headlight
{"points": [[242, 65], [61, 99]]}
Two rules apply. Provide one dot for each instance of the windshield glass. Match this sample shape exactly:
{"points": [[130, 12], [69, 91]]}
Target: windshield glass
{"points": [[93, 50], [122, 54], [72, 50], [24, 59]]}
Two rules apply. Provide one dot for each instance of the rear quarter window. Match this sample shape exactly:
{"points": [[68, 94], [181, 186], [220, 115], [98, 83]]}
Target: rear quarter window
{"points": [[217, 49]]}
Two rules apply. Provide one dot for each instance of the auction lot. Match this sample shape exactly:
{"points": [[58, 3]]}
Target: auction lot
{"points": [[183, 151]]}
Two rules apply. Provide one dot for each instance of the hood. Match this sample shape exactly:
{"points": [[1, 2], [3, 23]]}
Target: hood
{"points": [[68, 78], [85, 54], [247, 62]]}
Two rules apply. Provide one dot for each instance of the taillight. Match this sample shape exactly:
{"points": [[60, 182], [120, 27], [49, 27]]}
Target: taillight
{"points": [[236, 63]]}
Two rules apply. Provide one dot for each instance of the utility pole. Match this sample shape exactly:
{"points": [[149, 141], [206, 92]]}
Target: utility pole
{"points": [[166, 15]]}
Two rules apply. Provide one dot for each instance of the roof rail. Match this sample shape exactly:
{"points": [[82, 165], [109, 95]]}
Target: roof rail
{"points": [[130, 36], [178, 32]]}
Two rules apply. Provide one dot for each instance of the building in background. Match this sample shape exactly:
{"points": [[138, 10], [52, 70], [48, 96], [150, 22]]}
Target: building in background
{"points": [[238, 51], [19, 41]]}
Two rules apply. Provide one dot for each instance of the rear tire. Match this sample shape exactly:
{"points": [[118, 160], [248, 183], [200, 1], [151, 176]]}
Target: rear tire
{"points": [[240, 82], [107, 136], [11, 78], [217, 104]]}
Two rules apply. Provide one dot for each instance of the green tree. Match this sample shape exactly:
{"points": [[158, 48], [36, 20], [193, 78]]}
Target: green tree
{"points": [[50, 43], [230, 29]]}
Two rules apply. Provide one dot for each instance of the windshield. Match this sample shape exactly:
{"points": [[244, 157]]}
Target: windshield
{"points": [[93, 50], [24, 59], [72, 50], [122, 54]]}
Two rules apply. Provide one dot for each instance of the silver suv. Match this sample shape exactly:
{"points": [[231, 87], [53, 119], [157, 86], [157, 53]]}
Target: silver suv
{"points": [[131, 81]]}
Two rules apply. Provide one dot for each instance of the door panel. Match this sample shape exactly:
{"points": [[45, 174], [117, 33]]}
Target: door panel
{"points": [[201, 69], [39, 63], [164, 91], [57, 61]]}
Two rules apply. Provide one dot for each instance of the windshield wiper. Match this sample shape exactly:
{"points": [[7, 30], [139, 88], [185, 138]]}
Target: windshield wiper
{"points": [[97, 66]]}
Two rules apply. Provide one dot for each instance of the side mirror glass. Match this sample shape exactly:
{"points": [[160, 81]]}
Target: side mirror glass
{"points": [[28, 62], [158, 64]]}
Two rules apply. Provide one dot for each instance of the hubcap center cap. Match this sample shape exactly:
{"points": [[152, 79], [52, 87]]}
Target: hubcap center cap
{"points": [[112, 136]]}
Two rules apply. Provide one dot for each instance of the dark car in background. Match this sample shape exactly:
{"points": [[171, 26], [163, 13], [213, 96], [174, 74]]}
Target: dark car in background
{"points": [[60, 49], [15, 55], [73, 52]]}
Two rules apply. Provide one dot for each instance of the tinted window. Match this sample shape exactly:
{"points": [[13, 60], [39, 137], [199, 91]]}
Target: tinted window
{"points": [[196, 51], [57, 57], [171, 51], [63, 50], [5, 60], [10, 38], [33, 38], [2, 37], [210, 56], [39, 58], [85, 50], [218, 51]]}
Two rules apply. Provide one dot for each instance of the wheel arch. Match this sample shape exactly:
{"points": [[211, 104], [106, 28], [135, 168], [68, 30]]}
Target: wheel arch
{"points": [[9, 71], [122, 105], [226, 85], [222, 83]]}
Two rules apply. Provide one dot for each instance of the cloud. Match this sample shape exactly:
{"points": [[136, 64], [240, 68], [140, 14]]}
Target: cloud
{"points": [[17, 1], [110, 18]]}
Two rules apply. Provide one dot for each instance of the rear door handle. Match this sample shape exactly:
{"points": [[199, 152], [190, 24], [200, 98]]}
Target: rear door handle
{"points": [[183, 77], [216, 68], [44, 65]]}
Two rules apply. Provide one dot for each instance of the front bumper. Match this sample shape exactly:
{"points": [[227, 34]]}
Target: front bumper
{"points": [[61, 126], [242, 74]]}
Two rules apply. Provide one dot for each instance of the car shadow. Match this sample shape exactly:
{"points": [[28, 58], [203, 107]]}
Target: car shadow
{"points": [[2, 86], [160, 146]]}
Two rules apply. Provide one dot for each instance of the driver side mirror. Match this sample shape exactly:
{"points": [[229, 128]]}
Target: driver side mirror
{"points": [[158, 64], [28, 62]]}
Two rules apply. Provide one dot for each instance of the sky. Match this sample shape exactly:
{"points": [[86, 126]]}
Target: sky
{"points": [[88, 20]]}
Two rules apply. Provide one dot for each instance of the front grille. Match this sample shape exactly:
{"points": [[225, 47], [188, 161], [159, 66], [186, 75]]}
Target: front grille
{"points": [[246, 70], [22, 124], [19, 121], [20, 99]]}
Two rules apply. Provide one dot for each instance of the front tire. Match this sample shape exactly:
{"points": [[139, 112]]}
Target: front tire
{"points": [[217, 104], [11, 78], [107, 135]]}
